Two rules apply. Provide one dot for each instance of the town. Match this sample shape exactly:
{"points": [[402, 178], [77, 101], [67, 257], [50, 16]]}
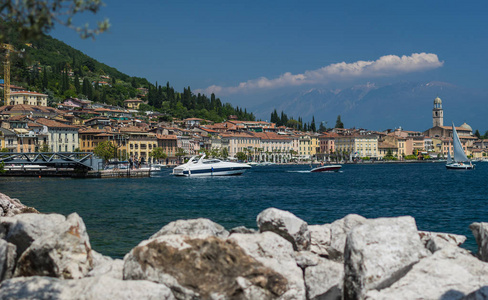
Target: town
{"points": [[76, 125]]}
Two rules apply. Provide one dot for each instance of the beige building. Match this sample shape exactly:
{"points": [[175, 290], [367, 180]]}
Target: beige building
{"points": [[240, 142], [28, 98], [357, 145], [139, 143], [60, 137]]}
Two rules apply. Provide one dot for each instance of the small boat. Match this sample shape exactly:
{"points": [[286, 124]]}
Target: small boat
{"points": [[326, 168], [459, 161], [199, 166]]}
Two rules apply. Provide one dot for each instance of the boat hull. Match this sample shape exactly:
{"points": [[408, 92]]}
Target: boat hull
{"points": [[457, 166], [210, 172], [327, 168]]}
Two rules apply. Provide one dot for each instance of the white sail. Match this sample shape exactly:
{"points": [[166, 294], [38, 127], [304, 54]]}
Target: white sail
{"points": [[449, 159], [459, 155]]}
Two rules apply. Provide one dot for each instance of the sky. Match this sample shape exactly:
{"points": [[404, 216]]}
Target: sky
{"points": [[241, 50]]}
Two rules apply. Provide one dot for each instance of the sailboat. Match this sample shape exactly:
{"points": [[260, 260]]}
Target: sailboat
{"points": [[459, 160]]}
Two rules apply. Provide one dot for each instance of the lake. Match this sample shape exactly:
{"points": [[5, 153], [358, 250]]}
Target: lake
{"points": [[119, 213]]}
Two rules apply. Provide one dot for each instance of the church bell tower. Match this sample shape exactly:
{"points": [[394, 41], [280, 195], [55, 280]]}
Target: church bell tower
{"points": [[437, 113]]}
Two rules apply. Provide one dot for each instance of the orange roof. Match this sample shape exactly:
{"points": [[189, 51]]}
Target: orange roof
{"points": [[52, 123], [166, 137], [27, 92]]}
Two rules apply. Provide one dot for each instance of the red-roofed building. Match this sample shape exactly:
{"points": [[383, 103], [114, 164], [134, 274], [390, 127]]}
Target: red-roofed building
{"points": [[28, 98]]}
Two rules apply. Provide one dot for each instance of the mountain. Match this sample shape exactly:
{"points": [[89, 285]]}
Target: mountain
{"points": [[405, 104]]}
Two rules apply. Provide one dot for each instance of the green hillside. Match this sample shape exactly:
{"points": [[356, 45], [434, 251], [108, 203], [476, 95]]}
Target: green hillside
{"points": [[50, 66]]}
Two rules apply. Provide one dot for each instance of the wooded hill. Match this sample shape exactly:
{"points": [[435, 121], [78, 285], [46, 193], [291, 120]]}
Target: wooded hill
{"points": [[50, 66]]}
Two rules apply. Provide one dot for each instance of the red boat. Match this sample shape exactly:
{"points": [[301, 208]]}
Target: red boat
{"points": [[327, 168]]}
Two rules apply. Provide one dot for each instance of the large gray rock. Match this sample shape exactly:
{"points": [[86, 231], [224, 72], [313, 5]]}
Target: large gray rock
{"points": [[200, 228], [480, 232], [338, 233], [203, 268], [23, 229], [287, 225], [106, 266], [8, 256], [64, 252], [481, 294], [434, 241], [324, 280], [378, 253], [450, 273], [320, 239], [95, 288], [276, 253], [10, 207]]}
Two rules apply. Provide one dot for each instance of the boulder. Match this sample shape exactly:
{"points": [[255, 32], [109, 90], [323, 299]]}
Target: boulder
{"points": [[201, 228], [378, 253], [106, 266], [306, 259], [64, 252], [338, 233], [287, 225], [481, 294], [449, 273], [320, 239], [324, 280], [8, 255], [242, 229], [435, 241], [276, 253], [480, 232], [10, 207], [203, 268], [93, 288], [23, 229]]}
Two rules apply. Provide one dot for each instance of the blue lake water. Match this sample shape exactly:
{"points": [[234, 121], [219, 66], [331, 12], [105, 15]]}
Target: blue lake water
{"points": [[119, 213]]}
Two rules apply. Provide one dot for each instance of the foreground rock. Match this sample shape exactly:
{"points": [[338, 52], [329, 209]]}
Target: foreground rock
{"points": [[8, 256], [203, 268], [480, 232], [450, 273], [88, 288], [276, 253], [378, 253], [324, 280], [201, 228], [287, 225], [10, 207], [64, 252], [434, 241]]}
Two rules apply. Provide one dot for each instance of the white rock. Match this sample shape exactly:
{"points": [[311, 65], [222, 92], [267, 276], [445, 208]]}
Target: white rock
{"points": [[338, 233], [324, 280], [210, 268], [480, 232], [94, 288], [201, 228], [378, 253], [306, 259], [287, 225], [106, 266], [8, 256], [449, 273], [23, 229], [320, 239], [64, 252], [10, 206], [435, 241], [274, 252]]}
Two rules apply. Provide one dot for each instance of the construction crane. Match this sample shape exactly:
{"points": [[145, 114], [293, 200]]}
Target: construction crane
{"points": [[6, 73]]}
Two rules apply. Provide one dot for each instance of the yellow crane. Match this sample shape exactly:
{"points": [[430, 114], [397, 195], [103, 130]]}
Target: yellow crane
{"points": [[6, 73]]}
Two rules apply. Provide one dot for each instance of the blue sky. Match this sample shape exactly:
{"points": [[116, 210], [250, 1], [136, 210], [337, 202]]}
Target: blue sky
{"points": [[240, 49]]}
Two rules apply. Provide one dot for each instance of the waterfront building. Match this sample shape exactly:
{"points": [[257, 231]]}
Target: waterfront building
{"points": [[385, 148], [327, 142], [28, 98], [304, 146], [275, 147], [60, 137], [240, 142], [169, 143], [139, 143], [357, 145]]}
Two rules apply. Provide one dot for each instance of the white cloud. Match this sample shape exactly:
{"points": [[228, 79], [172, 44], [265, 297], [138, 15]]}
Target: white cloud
{"points": [[387, 65]]}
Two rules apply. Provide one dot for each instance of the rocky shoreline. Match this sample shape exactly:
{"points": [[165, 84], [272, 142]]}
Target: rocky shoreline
{"points": [[48, 256]]}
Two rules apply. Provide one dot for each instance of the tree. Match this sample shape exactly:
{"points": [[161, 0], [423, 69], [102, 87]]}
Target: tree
{"points": [[241, 156], [322, 127], [158, 154], [36, 17], [105, 150], [339, 123], [224, 153], [312, 125], [44, 148], [179, 153], [477, 134]]}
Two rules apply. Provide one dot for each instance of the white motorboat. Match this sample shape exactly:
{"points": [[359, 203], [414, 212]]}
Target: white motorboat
{"points": [[199, 166], [326, 168], [459, 161]]}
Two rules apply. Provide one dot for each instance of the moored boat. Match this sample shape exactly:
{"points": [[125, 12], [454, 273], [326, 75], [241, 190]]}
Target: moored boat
{"points": [[459, 160], [198, 166]]}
